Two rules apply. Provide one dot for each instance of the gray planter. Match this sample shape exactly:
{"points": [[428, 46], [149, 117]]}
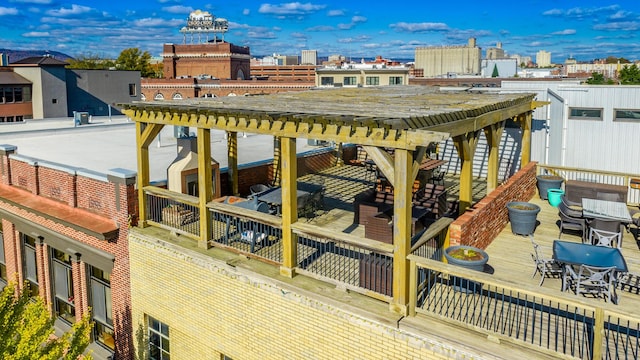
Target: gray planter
{"points": [[477, 265], [546, 182], [523, 217]]}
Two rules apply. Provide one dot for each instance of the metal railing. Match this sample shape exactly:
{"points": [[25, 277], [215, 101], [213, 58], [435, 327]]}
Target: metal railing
{"points": [[356, 263], [528, 317], [246, 231], [632, 182], [173, 211], [430, 244]]}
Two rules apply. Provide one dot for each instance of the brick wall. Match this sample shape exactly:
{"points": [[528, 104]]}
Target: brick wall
{"points": [[480, 224], [110, 196], [213, 308]]}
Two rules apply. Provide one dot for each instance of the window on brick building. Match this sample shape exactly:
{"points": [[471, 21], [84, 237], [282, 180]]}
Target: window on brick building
{"points": [[101, 307], [63, 302], [132, 90], [158, 334], [29, 264]]}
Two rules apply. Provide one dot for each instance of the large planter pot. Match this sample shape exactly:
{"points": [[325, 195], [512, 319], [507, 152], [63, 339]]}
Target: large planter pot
{"points": [[523, 217], [546, 182], [469, 257]]}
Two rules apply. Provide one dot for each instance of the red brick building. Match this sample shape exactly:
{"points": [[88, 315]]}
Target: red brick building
{"points": [[221, 60], [63, 236]]}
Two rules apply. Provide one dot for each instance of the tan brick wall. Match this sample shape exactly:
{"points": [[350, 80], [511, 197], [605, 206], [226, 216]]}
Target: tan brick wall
{"points": [[212, 308], [486, 219]]}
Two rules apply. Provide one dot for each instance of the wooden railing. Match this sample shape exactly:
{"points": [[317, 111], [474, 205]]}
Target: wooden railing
{"points": [[528, 316], [352, 262], [245, 231], [632, 182], [172, 211]]}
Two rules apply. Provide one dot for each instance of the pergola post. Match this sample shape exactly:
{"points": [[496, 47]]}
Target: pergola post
{"points": [[276, 161], [402, 205], [289, 173], [205, 185], [525, 124], [493, 133], [232, 155], [466, 145], [145, 134]]}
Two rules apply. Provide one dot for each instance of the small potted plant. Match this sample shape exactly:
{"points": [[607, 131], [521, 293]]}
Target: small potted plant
{"points": [[546, 182], [469, 257], [523, 217]]}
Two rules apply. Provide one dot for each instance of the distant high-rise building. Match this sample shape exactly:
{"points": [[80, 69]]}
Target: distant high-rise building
{"points": [[309, 57], [496, 52], [543, 58], [447, 60]]}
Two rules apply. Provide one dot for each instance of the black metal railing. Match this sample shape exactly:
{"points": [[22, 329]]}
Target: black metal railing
{"points": [[355, 263], [532, 318], [246, 231], [174, 211]]}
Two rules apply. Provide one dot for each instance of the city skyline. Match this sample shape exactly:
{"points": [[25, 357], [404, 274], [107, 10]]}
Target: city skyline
{"points": [[584, 30]]}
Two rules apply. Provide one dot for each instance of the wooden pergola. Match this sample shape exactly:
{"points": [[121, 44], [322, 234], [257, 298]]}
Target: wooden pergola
{"points": [[405, 118]]}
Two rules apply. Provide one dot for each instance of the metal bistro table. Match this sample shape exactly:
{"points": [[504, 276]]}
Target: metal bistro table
{"points": [[569, 253], [614, 210]]}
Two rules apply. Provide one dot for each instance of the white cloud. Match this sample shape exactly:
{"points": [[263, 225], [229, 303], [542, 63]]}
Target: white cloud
{"points": [[564, 32], [335, 13], [8, 11], [358, 19], [74, 10], [158, 22], [321, 28], [41, 2], [37, 34], [619, 26], [178, 9], [294, 8], [246, 12], [419, 27]]}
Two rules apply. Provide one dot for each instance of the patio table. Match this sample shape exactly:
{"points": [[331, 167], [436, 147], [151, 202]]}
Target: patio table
{"points": [[615, 210], [273, 196], [569, 253]]}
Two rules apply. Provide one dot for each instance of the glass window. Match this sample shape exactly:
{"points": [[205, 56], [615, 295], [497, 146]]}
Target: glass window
{"points": [[29, 264], [27, 93], [158, 340], [395, 80], [101, 307], [64, 302], [373, 80], [627, 115], [17, 94], [132, 90], [8, 95], [158, 96], [349, 80], [326, 80], [585, 114]]}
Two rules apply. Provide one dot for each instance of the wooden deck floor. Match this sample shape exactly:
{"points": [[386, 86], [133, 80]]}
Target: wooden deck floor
{"points": [[510, 258]]}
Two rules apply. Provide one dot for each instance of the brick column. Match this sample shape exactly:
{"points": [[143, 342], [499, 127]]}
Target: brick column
{"points": [[5, 168]]}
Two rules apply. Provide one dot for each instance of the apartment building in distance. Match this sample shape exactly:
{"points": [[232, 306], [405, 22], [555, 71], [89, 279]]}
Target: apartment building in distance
{"points": [[361, 75], [309, 57], [543, 58], [443, 61]]}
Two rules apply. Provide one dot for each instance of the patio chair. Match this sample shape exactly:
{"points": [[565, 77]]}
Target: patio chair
{"points": [[606, 225], [591, 280], [605, 238], [258, 188], [544, 266], [437, 176], [569, 221]]}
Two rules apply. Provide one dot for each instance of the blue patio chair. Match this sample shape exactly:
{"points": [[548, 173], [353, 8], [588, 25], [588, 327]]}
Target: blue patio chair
{"points": [[546, 267]]}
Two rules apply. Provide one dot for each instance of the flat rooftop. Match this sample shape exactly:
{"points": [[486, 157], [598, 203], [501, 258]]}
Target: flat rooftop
{"points": [[108, 143]]}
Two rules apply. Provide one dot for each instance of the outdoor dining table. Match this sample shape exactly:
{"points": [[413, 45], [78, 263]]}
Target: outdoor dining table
{"points": [[568, 253], [273, 196], [604, 209]]}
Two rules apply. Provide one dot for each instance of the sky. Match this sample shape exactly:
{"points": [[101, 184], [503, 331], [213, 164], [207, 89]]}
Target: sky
{"points": [[584, 30]]}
